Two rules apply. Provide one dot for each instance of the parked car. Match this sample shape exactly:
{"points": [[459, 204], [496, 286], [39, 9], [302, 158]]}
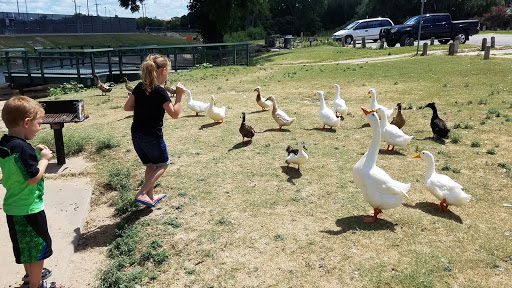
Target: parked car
{"points": [[368, 28], [438, 25]]}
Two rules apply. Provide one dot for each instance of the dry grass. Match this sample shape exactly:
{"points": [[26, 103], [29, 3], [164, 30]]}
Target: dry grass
{"points": [[248, 224]]}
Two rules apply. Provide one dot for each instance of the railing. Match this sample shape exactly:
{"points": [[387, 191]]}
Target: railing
{"points": [[49, 66]]}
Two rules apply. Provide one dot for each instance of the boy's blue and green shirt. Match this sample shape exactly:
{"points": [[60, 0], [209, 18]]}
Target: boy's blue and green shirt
{"points": [[18, 161]]}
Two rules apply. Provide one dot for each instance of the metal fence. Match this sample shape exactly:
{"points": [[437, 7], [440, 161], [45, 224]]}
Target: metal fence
{"points": [[57, 66], [12, 23]]}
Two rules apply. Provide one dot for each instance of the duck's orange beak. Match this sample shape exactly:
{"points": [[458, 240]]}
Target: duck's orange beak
{"points": [[366, 112], [417, 156], [314, 94]]}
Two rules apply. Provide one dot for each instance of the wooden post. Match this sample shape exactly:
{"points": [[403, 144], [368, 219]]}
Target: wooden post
{"points": [[381, 44], [432, 41], [493, 42], [484, 43], [484, 28], [354, 43], [342, 41], [411, 43], [363, 43], [451, 49], [425, 48], [456, 42], [487, 52]]}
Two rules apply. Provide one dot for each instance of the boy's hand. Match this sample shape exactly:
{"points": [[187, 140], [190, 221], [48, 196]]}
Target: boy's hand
{"points": [[44, 152]]}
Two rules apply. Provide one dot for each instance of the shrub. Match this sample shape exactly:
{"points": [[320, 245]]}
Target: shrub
{"points": [[242, 36], [455, 138], [107, 142], [67, 88], [118, 178], [475, 143], [499, 17]]}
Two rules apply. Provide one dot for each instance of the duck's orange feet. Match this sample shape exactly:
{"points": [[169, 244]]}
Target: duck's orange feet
{"points": [[376, 212], [323, 127], [197, 114], [443, 207]]}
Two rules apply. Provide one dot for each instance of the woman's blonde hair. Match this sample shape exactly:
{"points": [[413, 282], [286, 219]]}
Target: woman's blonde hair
{"points": [[19, 108], [149, 69]]}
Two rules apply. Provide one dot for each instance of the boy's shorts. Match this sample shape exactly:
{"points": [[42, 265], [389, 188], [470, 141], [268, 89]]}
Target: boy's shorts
{"points": [[151, 151], [30, 239]]}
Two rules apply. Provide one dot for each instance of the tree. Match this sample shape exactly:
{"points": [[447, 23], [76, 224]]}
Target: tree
{"points": [[131, 4]]}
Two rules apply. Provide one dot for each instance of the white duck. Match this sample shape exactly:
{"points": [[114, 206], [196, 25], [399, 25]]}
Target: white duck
{"points": [[196, 106], [326, 114], [296, 156], [215, 113], [339, 104], [374, 105], [392, 134], [379, 189], [441, 186], [281, 118], [264, 103]]}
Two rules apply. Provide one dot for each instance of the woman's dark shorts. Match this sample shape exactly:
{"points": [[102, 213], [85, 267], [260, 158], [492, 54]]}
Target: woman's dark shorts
{"points": [[151, 151]]}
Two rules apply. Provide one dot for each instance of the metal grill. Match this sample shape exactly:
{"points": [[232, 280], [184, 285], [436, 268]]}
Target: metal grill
{"points": [[60, 118], [56, 114]]}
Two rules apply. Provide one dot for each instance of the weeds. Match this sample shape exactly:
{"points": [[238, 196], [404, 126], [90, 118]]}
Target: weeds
{"points": [[104, 143], [67, 88], [455, 138], [491, 151], [475, 143]]}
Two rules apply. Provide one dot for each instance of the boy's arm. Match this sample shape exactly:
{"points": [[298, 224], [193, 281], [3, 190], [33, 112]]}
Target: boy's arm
{"points": [[46, 155]]}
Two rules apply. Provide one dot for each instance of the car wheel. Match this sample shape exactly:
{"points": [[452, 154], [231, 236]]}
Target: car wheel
{"points": [[463, 36], [406, 40], [444, 41], [348, 39]]}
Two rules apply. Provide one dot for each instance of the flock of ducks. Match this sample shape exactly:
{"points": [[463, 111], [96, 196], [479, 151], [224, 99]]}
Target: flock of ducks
{"points": [[380, 190]]}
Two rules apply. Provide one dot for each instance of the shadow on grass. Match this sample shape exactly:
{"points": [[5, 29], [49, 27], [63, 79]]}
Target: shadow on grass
{"points": [[106, 234], [240, 145], [394, 152], [292, 173], [277, 130], [356, 223], [329, 130], [193, 116], [268, 57], [209, 125], [435, 139], [259, 111], [433, 209]]}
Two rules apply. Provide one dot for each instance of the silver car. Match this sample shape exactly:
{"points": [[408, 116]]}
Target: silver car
{"points": [[368, 28]]}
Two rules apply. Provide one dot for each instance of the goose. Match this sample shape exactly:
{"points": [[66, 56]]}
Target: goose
{"points": [[215, 113], [296, 156], [339, 104], [281, 118], [103, 88], [374, 105], [441, 186], [245, 130], [196, 106], [126, 85], [398, 120], [170, 89], [379, 189], [391, 134], [264, 103], [326, 114], [438, 125]]}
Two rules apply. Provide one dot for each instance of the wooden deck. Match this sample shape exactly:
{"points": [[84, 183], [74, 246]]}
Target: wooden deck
{"points": [[58, 66]]}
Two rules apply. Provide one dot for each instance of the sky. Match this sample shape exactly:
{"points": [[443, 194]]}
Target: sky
{"points": [[161, 9]]}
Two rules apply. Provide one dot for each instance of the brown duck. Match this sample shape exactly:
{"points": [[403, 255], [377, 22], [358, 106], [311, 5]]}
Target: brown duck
{"points": [[126, 85], [103, 88], [246, 130], [398, 120], [170, 89]]}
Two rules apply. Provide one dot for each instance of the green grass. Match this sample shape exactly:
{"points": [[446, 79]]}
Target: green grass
{"points": [[249, 224], [114, 40]]}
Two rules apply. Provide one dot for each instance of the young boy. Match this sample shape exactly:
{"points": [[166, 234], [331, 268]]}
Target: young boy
{"points": [[22, 171]]}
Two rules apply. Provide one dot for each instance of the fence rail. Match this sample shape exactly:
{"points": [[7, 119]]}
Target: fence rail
{"points": [[57, 66]]}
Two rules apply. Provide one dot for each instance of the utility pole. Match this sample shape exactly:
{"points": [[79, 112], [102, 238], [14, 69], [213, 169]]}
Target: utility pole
{"points": [[79, 9], [75, 5], [419, 28], [87, 7], [97, 14]]}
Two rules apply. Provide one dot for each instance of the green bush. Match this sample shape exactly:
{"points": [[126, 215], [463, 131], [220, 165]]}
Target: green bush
{"points": [[118, 178], [247, 35], [67, 88], [104, 143]]}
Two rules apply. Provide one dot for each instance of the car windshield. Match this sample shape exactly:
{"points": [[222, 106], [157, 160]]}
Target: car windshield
{"points": [[351, 25], [413, 20]]}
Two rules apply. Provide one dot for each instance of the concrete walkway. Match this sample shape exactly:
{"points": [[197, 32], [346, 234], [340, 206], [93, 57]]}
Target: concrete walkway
{"points": [[66, 204]]}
